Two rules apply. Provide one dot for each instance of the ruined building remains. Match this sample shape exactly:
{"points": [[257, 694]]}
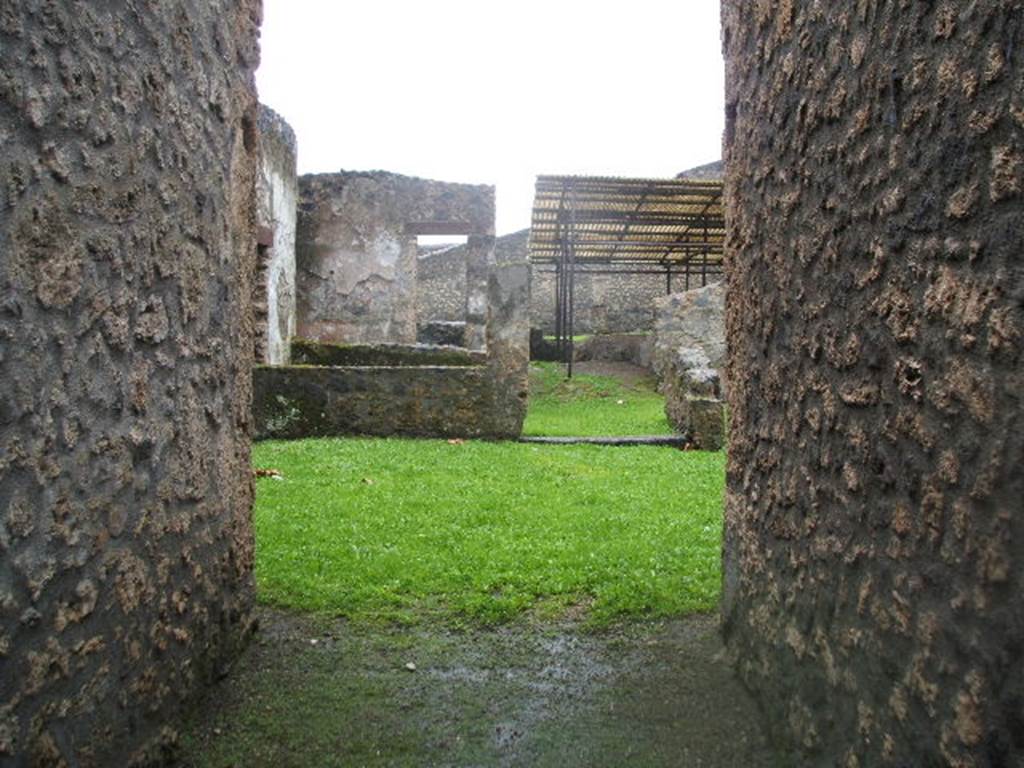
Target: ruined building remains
{"points": [[356, 253], [688, 356], [357, 368], [277, 195], [129, 154], [873, 588]]}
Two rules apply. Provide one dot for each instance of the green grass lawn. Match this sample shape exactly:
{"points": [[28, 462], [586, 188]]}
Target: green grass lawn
{"points": [[402, 529], [588, 405]]}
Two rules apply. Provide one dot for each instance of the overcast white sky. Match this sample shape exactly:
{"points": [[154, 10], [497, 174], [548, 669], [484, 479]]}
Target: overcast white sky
{"points": [[497, 91]]}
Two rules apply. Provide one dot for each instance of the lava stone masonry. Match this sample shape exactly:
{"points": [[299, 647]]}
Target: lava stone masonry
{"points": [[873, 588], [128, 151]]}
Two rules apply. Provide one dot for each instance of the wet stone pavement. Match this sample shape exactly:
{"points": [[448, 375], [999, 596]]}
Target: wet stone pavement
{"points": [[312, 692]]}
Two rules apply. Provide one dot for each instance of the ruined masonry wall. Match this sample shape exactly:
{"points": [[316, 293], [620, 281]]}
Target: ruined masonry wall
{"points": [[441, 286], [278, 195], [127, 160], [413, 391], [356, 252], [689, 355], [605, 303], [873, 588]]}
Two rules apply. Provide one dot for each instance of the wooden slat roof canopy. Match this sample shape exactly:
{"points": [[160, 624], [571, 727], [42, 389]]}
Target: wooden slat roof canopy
{"points": [[608, 220]]}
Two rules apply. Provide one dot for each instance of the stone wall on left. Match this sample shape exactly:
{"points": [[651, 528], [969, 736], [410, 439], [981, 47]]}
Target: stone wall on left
{"points": [[128, 149]]}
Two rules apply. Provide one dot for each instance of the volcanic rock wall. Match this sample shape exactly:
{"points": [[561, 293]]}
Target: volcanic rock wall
{"points": [[128, 136], [873, 589], [277, 193]]}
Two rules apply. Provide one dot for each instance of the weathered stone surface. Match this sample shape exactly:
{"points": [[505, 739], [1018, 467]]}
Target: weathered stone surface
{"points": [[605, 303], [277, 195], [128, 137], [416, 401], [508, 344], [305, 352], [690, 320], [441, 285], [873, 593], [689, 359], [401, 390], [693, 399], [356, 252], [452, 334], [635, 348]]}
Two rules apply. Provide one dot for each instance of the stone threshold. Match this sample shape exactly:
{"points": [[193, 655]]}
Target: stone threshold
{"points": [[673, 441]]}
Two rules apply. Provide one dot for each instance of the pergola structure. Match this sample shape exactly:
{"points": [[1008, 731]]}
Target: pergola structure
{"points": [[607, 225]]}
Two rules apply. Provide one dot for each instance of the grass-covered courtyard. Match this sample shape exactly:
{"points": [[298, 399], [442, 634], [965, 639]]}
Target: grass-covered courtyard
{"points": [[588, 405], [396, 529], [434, 602], [402, 530]]}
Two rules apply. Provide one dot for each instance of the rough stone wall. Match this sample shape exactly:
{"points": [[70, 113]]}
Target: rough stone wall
{"points": [[441, 286], [605, 303], [415, 401], [416, 391], [690, 320], [873, 589], [356, 250], [634, 348], [127, 159], [689, 357], [277, 192]]}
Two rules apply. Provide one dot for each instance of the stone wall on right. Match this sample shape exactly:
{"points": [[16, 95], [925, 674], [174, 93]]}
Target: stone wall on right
{"points": [[873, 595]]}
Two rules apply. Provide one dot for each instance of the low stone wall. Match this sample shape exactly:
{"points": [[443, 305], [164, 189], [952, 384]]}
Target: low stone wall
{"points": [[387, 389], [306, 352], [689, 358], [415, 401]]}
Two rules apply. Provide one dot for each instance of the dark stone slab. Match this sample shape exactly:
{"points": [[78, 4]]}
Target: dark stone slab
{"points": [[673, 441], [306, 352]]}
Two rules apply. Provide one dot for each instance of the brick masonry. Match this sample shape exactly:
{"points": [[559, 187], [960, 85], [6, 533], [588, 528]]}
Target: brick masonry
{"points": [[874, 529]]}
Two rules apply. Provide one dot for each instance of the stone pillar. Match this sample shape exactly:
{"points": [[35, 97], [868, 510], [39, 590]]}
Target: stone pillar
{"points": [[873, 588], [479, 265], [127, 252], [508, 346]]}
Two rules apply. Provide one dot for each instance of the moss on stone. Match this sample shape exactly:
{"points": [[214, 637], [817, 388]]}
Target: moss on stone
{"points": [[309, 352]]}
